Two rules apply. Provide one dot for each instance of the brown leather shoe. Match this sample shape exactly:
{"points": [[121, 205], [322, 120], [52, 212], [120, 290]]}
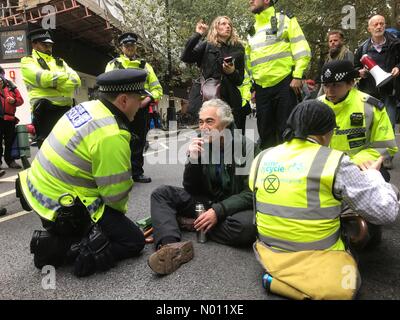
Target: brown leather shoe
{"points": [[170, 257], [186, 224]]}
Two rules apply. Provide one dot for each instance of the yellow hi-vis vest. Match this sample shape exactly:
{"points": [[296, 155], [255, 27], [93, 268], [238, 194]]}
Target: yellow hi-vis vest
{"points": [[364, 130], [270, 57], [58, 84], [152, 84], [295, 206], [86, 155]]}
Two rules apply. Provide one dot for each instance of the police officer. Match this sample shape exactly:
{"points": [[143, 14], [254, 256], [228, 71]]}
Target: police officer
{"points": [[50, 83], [80, 180], [277, 55], [364, 130], [300, 187], [138, 127]]}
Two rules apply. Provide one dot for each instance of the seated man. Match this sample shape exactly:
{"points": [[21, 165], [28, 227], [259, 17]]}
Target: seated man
{"points": [[220, 184], [300, 187], [80, 180], [364, 130]]}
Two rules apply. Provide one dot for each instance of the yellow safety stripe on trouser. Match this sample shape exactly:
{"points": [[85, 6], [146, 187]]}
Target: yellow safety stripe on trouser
{"points": [[314, 210]]}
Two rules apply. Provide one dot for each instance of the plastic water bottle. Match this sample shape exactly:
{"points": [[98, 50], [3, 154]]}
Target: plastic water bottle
{"points": [[201, 235]]}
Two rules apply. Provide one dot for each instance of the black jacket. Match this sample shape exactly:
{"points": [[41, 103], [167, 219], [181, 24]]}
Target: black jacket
{"points": [[232, 194], [392, 59], [209, 59]]}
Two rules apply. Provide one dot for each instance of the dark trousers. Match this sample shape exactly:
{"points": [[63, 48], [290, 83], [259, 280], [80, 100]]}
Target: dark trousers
{"points": [[45, 116], [138, 129], [240, 120], [126, 239], [7, 133], [168, 202], [274, 105]]}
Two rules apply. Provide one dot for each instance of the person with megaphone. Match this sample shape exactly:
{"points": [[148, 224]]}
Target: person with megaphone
{"points": [[379, 70], [364, 131]]}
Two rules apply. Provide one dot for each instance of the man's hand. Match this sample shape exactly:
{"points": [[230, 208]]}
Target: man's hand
{"points": [[363, 73], [206, 220], [196, 148], [296, 85], [376, 165], [10, 100], [395, 72], [145, 102], [228, 68], [201, 27]]}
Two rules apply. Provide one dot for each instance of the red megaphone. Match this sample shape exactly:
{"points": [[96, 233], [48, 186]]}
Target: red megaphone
{"points": [[381, 77]]}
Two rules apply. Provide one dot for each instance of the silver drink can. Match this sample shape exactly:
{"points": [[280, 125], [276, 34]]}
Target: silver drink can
{"points": [[201, 235]]}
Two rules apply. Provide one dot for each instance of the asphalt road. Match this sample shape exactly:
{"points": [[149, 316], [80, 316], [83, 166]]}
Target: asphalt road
{"points": [[216, 272]]}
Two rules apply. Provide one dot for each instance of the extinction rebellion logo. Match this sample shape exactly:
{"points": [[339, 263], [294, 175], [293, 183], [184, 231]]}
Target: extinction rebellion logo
{"points": [[271, 183]]}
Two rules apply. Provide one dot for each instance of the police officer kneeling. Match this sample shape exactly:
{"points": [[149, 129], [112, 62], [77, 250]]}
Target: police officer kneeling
{"points": [[80, 180]]}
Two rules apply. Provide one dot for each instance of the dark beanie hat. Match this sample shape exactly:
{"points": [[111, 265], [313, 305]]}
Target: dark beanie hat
{"points": [[310, 117]]}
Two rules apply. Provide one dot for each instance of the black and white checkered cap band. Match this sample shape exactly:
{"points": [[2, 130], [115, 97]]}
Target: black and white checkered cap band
{"points": [[339, 76], [41, 36], [130, 87]]}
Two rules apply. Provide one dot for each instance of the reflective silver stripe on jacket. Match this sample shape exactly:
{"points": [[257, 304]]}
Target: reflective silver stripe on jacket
{"points": [[41, 198], [154, 83], [310, 213], [297, 39], [314, 210], [117, 197], [266, 43], [271, 57], [301, 54], [39, 77], [302, 246], [384, 144], [87, 129], [68, 155], [62, 175], [113, 179]]}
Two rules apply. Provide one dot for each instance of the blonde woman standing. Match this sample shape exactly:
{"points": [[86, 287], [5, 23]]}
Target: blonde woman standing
{"points": [[220, 57]]}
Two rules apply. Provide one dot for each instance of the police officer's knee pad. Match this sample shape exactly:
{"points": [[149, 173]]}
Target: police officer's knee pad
{"points": [[47, 249]]}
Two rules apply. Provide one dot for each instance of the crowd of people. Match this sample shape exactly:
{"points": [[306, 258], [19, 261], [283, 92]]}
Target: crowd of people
{"points": [[316, 160]]}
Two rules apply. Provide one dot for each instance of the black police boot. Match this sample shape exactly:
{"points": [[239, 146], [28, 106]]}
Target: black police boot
{"points": [[47, 249]]}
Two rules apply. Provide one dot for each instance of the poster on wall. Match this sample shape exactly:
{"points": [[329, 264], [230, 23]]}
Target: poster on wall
{"points": [[13, 44]]}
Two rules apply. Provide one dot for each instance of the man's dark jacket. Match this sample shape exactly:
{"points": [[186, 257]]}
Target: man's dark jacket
{"points": [[392, 59], [233, 194]]}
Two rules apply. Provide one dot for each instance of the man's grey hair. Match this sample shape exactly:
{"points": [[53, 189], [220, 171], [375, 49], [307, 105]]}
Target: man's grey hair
{"points": [[224, 111]]}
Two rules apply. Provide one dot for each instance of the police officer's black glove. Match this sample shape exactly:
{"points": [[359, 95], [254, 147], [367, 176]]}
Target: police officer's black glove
{"points": [[95, 253]]}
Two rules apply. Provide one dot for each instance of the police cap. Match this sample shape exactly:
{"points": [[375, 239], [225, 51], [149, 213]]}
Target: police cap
{"points": [[128, 37], [338, 70], [123, 80], [40, 35]]}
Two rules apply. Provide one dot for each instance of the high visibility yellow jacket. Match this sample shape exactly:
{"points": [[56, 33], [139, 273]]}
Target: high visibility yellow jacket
{"points": [[152, 84], [364, 131], [57, 83], [270, 57], [87, 155], [296, 209]]}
